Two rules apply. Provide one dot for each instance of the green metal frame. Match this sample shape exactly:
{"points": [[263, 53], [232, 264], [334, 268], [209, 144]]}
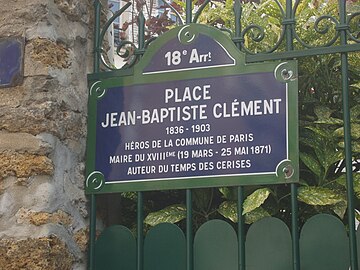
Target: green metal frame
{"points": [[338, 45]]}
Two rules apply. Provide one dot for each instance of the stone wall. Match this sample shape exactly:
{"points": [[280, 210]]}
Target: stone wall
{"points": [[43, 211]]}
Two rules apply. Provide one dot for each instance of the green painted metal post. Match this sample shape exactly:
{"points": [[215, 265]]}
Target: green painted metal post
{"points": [[237, 12], [141, 31], [240, 189], [241, 227], [295, 228], [348, 160], [97, 7], [140, 232], [289, 23], [140, 198], [92, 238], [188, 11], [96, 66], [189, 231], [347, 136]]}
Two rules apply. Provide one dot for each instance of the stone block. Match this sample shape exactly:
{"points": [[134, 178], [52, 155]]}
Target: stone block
{"points": [[41, 218], [75, 10], [22, 142], [81, 237], [48, 253], [46, 117], [24, 165], [50, 53]]}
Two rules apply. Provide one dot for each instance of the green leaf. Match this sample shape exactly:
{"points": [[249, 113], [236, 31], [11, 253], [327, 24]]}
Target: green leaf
{"points": [[131, 195], [255, 199], [355, 113], [228, 209], [323, 112], [324, 116], [318, 130], [356, 183], [329, 156], [311, 163], [319, 196], [355, 146], [329, 121], [229, 193], [324, 144], [355, 131], [202, 198], [256, 215], [170, 214], [340, 208]]}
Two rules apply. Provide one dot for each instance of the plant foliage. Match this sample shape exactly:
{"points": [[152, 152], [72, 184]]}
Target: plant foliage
{"points": [[322, 184]]}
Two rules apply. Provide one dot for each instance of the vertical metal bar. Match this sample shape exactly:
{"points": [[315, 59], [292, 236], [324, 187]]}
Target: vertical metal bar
{"points": [[289, 28], [240, 189], [348, 160], [241, 228], [189, 231], [295, 227], [294, 203], [188, 11], [92, 232], [140, 197], [237, 13], [141, 35], [97, 8], [347, 139], [92, 225], [140, 231]]}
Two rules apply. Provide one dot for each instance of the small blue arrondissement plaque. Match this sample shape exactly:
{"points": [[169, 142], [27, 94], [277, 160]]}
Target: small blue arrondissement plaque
{"points": [[11, 62]]}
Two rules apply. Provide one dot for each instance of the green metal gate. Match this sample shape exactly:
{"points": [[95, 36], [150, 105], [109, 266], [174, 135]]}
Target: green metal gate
{"points": [[269, 244]]}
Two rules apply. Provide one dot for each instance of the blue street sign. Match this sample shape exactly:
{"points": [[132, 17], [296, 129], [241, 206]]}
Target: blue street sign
{"points": [[193, 115]]}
